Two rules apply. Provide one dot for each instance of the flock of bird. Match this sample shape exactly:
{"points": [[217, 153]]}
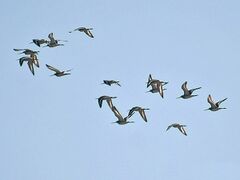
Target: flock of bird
{"points": [[31, 56], [157, 86]]}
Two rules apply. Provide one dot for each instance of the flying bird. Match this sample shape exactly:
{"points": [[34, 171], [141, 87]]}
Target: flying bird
{"points": [[110, 82], [87, 31], [58, 73], [140, 110], [121, 120], [152, 81], [188, 92], [53, 42], [214, 106], [39, 42], [179, 126], [106, 98], [157, 85], [30, 61], [26, 51]]}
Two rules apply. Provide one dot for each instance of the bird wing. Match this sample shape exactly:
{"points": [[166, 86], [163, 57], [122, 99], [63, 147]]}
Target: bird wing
{"points": [[191, 90], [19, 49], [117, 114], [50, 36], [182, 130], [88, 32], [37, 42], [169, 127], [184, 88], [160, 89], [132, 111], [211, 102], [22, 59], [100, 100], [110, 104], [35, 61], [219, 102], [52, 68], [30, 65], [149, 80], [107, 82], [117, 82], [142, 113]]}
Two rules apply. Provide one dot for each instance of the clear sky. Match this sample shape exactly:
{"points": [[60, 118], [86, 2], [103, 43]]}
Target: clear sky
{"points": [[52, 128]]}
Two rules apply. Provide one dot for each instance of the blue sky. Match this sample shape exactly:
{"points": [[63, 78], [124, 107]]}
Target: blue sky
{"points": [[52, 128]]}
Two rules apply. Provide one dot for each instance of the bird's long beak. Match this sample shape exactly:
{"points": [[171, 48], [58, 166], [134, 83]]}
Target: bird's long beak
{"points": [[206, 109], [178, 97]]}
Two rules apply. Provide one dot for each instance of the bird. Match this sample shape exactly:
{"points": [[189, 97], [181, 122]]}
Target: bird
{"points": [[39, 42], [30, 61], [58, 73], [214, 106], [106, 98], [188, 92], [87, 31], [140, 110], [151, 81], [157, 85], [110, 82], [121, 120], [53, 42], [26, 51], [179, 126]]}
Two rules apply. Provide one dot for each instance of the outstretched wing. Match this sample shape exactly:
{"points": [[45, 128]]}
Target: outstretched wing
{"points": [[19, 49], [182, 130], [219, 102], [110, 104], [169, 127], [211, 102], [30, 65], [88, 32], [117, 113], [100, 100], [50, 36], [160, 89], [184, 88], [52, 68], [149, 80], [143, 115]]}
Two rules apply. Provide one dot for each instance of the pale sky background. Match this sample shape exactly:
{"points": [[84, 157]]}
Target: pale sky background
{"points": [[52, 128]]}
